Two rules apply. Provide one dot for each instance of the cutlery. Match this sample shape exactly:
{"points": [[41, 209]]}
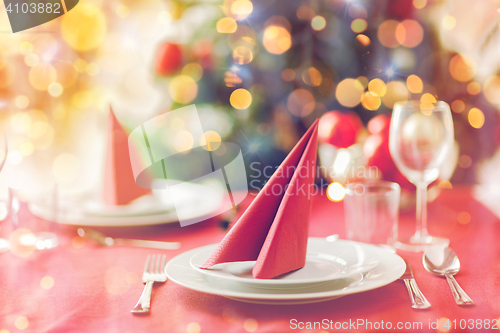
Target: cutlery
{"points": [[418, 300], [441, 260], [154, 272], [108, 241]]}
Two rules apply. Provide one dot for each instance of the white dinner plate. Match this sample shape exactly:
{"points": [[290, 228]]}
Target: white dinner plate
{"points": [[325, 261], [146, 210], [389, 269]]}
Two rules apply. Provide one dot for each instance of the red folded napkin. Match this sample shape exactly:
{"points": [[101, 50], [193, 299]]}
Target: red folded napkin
{"points": [[274, 229], [119, 182]]}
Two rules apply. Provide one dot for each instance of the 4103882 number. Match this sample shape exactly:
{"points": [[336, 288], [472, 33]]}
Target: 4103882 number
{"points": [[41, 8]]}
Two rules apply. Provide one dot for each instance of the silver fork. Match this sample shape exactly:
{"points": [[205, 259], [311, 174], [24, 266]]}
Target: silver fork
{"points": [[152, 273]]}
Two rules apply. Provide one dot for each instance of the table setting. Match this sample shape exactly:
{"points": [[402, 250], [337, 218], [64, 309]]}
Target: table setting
{"points": [[173, 166]]}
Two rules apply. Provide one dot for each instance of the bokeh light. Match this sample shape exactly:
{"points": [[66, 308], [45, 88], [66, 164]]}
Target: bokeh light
{"points": [[240, 99], [21, 323], [194, 70], [42, 76], [22, 102], [226, 25], [357, 11], [55, 89], [462, 67], [449, 22], [377, 86], [183, 141], [409, 33], [349, 92], [335, 192], [476, 118], [6, 74], [301, 102], [387, 33], [305, 13], [250, 325], [277, 39], [242, 55], [419, 4], [84, 27], [414, 84], [396, 92], [318, 23], [183, 89], [312, 77], [473, 88], [241, 9], [47, 282], [288, 75], [371, 101], [359, 25], [491, 90], [363, 40], [212, 139], [457, 106]]}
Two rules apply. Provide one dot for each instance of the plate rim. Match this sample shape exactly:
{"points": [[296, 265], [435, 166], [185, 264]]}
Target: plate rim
{"points": [[272, 282], [361, 287]]}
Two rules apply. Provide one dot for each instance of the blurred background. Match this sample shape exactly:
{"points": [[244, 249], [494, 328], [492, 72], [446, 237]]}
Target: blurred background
{"points": [[259, 72]]}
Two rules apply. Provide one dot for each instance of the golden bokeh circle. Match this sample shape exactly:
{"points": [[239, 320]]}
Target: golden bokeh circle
{"points": [[240, 99], [84, 27], [349, 92], [183, 89]]}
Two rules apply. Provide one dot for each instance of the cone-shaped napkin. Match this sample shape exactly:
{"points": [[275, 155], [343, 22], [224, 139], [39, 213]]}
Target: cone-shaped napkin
{"points": [[274, 228], [119, 182]]}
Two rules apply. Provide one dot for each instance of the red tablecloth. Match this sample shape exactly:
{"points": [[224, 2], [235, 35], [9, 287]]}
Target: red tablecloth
{"points": [[94, 288]]}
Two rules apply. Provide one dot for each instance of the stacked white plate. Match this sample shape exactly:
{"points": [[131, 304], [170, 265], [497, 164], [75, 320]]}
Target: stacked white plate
{"points": [[332, 270], [156, 208]]}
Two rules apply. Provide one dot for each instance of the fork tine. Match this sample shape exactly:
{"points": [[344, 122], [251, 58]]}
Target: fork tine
{"points": [[164, 262], [158, 258], [146, 267], [152, 266]]}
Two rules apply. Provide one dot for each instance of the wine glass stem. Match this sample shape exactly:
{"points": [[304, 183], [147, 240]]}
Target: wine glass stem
{"points": [[421, 211]]}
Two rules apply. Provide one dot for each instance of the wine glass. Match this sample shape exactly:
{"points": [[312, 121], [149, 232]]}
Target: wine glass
{"points": [[420, 137]]}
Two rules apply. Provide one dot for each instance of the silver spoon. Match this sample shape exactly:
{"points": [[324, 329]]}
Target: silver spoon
{"points": [[441, 260]]}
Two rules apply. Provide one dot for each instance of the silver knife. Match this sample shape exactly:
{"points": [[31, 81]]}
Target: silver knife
{"points": [[418, 300], [108, 241]]}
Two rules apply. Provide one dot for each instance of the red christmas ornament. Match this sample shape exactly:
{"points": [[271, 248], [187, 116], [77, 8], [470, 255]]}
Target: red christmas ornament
{"points": [[168, 59], [339, 129]]}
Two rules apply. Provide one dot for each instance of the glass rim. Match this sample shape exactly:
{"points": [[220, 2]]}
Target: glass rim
{"points": [[392, 186], [417, 105]]}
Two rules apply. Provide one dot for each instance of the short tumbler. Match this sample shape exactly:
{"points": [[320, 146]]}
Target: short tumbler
{"points": [[371, 212]]}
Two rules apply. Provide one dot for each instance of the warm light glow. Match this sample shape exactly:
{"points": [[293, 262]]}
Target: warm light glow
{"points": [[193, 328], [242, 55], [387, 33], [357, 11], [457, 106], [414, 84], [42, 75], [22, 102], [462, 68], [288, 74], [491, 90], [444, 325], [21, 323], [377, 86], [183, 89], [473, 88], [183, 141], [335, 192], [363, 40], [277, 39], [212, 139], [409, 33], [476, 118], [250, 325], [301, 102], [240, 99], [312, 77], [464, 161], [396, 92], [85, 28], [66, 168], [305, 13], [419, 4], [31, 60], [226, 25], [318, 23], [241, 8], [349, 92], [55, 89], [448, 22], [463, 218], [193, 70], [371, 101], [47, 282], [427, 98], [358, 25]]}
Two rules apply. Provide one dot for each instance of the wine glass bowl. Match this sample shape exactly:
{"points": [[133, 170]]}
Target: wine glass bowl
{"points": [[420, 139]]}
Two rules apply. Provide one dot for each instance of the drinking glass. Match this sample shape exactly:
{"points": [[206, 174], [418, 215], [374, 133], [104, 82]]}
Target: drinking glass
{"points": [[420, 137], [371, 212]]}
